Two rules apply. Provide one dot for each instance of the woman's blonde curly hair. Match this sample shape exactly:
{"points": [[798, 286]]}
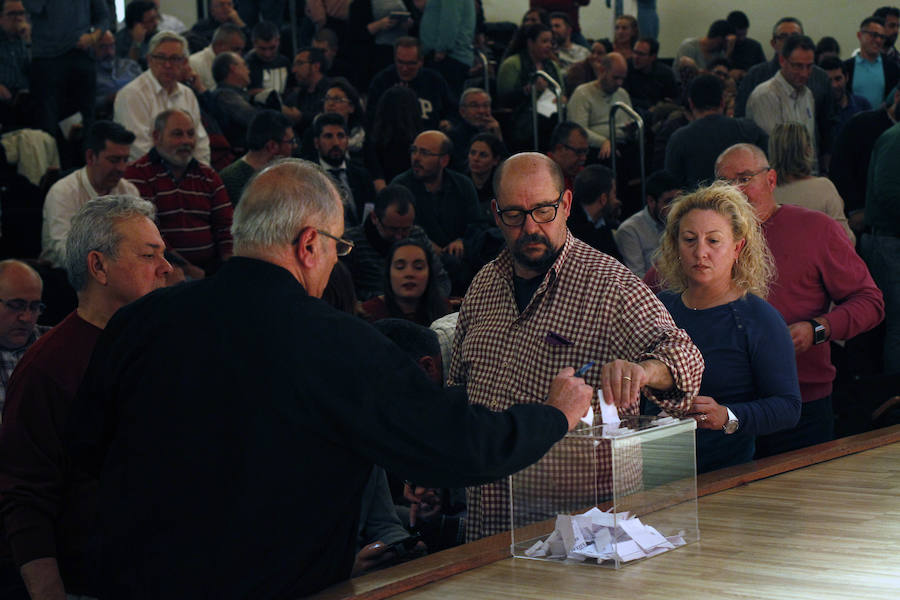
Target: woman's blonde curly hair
{"points": [[754, 269]]}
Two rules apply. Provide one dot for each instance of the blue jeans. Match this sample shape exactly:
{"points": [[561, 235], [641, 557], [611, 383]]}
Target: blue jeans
{"points": [[882, 255]]}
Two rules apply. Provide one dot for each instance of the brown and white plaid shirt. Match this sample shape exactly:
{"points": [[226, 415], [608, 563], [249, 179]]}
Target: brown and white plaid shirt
{"points": [[589, 307]]}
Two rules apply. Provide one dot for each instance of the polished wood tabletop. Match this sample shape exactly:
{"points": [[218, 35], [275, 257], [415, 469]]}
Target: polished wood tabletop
{"points": [[830, 530], [821, 522]]}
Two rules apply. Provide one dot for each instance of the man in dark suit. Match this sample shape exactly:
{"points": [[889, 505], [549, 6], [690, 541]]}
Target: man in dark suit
{"points": [[596, 209], [354, 181]]}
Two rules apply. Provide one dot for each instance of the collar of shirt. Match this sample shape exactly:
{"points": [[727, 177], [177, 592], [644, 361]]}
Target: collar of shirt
{"points": [[85, 182], [156, 158], [598, 223], [787, 88], [159, 90], [859, 60], [504, 266], [328, 167]]}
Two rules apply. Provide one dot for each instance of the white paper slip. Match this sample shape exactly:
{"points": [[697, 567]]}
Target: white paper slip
{"points": [[588, 419], [609, 414], [647, 538], [546, 103]]}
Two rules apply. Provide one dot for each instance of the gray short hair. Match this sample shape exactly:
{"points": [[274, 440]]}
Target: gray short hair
{"points": [[167, 36], [160, 120], [94, 229], [471, 91], [279, 201]]}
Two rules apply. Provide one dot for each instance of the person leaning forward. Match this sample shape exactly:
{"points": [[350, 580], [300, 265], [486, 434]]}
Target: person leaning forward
{"points": [[234, 421]]}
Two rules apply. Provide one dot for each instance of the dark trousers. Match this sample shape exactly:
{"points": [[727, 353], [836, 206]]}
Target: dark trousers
{"points": [[816, 426], [63, 85]]}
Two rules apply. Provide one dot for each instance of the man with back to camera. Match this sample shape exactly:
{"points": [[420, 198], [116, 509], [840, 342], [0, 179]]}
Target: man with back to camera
{"points": [[324, 385], [550, 299]]}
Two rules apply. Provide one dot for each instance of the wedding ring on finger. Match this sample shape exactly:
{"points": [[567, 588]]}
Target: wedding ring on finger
{"points": [[626, 378]]}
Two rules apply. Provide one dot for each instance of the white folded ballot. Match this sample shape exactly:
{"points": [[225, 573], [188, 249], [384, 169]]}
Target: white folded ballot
{"points": [[603, 536]]}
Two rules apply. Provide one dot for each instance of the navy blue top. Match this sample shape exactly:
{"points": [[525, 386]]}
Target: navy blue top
{"points": [[750, 368]]}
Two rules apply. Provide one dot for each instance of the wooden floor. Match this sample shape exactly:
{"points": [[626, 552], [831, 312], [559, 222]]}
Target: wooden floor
{"points": [[828, 530]]}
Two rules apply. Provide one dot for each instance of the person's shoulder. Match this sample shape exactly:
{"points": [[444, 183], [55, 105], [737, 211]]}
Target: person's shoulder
{"points": [[405, 179], [460, 180], [799, 218], [54, 346], [598, 265], [64, 185], [758, 310], [583, 89]]}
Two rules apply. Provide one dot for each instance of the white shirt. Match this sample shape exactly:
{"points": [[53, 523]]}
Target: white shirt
{"points": [[63, 200], [776, 101], [201, 62], [638, 238], [138, 103]]}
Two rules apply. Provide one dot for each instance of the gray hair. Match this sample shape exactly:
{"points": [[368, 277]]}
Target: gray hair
{"points": [[167, 36], [94, 229], [755, 151], [159, 122], [225, 31], [279, 201], [470, 91]]}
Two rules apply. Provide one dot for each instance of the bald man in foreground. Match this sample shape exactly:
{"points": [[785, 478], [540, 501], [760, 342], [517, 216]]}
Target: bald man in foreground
{"points": [[234, 421]]}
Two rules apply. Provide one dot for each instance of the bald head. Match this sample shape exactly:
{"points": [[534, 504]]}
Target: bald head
{"points": [[748, 151], [746, 167], [613, 70], [429, 156], [528, 162], [20, 287]]}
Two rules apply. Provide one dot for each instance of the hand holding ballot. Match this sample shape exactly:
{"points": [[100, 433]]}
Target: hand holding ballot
{"points": [[571, 395], [623, 380]]}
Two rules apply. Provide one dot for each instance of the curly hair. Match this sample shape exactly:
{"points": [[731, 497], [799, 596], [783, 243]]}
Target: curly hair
{"points": [[754, 269]]}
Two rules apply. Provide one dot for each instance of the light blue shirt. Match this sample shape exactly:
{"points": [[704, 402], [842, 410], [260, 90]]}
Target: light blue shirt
{"points": [[868, 80]]}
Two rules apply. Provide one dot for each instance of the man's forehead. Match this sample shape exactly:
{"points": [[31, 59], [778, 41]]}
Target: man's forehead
{"points": [[801, 56], [577, 139], [333, 130], [391, 214], [788, 27], [738, 163], [170, 47], [113, 148]]}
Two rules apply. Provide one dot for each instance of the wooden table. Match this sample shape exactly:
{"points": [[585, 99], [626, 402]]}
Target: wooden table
{"points": [[829, 530]]}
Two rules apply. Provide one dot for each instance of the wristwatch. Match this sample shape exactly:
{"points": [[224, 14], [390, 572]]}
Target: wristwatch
{"points": [[731, 424], [818, 332]]}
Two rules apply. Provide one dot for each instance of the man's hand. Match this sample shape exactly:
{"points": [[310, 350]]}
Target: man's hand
{"points": [[5, 94], [490, 125], [454, 248], [571, 395], [291, 113], [622, 380], [803, 334], [708, 413], [85, 41], [371, 556], [190, 78], [424, 502], [24, 32], [235, 18], [604, 151], [42, 579]]}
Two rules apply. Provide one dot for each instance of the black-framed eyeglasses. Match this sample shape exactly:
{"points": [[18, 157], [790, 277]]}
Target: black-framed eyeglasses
{"points": [[172, 60], [515, 217], [745, 178], [874, 34], [17, 305], [578, 151], [416, 150], [336, 99]]}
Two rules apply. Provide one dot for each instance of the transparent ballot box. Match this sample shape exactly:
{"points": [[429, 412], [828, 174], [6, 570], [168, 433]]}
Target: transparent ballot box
{"points": [[608, 497]]}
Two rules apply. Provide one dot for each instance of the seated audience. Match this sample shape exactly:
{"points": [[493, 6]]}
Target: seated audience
{"points": [[591, 103], [747, 52], [638, 236], [396, 124], [342, 98], [106, 153], [790, 154], [474, 117], [532, 52], [692, 150], [569, 150], [649, 81], [625, 35], [436, 103], [335, 66], [567, 52], [846, 103], [868, 73], [486, 151], [20, 295], [227, 38], [114, 255], [269, 137], [230, 103], [352, 179], [718, 43], [716, 270], [141, 24], [596, 209], [156, 90], [193, 209], [269, 69], [15, 39], [113, 73], [220, 12], [373, 27], [410, 287], [390, 221], [585, 70]]}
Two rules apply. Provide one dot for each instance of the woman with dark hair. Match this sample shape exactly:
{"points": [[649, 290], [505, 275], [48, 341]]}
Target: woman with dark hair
{"points": [[625, 35], [341, 98], [532, 51], [486, 151], [410, 286], [398, 120], [584, 70]]}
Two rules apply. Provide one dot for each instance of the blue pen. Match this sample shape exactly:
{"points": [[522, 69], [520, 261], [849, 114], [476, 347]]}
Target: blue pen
{"points": [[580, 372]]}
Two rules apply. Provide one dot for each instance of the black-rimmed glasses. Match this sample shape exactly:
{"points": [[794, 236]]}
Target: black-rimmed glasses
{"points": [[515, 217]]}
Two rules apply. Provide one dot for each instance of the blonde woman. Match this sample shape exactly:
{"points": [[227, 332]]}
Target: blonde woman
{"points": [[715, 269]]}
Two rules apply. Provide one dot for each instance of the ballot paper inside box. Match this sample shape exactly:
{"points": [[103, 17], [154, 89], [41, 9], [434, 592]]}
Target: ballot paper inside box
{"points": [[609, 496]]}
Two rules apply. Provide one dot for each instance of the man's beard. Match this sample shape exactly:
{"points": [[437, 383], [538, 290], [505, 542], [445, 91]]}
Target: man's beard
{"points": [[333, 158], [175, 159], [539, 264]]}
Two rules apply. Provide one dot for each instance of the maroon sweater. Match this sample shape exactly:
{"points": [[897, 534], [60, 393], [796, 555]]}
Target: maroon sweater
{"points": [[47, 509]]}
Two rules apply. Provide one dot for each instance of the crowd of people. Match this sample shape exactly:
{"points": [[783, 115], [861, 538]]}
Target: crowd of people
{"points": [[492, 218]]}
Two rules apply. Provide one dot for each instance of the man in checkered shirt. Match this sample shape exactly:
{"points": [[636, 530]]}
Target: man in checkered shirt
{"points": [[550, 301]]}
